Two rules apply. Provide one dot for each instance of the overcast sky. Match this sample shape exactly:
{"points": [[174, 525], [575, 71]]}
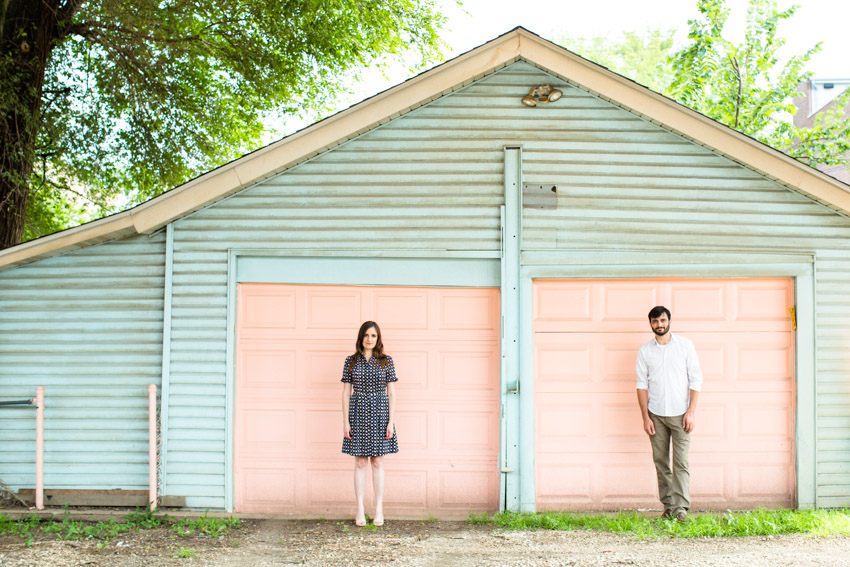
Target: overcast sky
{"points": [[815, 20], [478, 21]]}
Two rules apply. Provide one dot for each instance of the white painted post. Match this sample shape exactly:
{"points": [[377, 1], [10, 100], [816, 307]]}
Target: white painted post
{"points": [[39, 448], [152, 443]]}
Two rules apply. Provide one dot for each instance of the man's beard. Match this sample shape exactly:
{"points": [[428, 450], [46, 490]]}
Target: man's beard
{"points": [[661, 331]]}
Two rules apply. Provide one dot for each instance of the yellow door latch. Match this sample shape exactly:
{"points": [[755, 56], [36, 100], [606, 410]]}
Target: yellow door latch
{"points": [[793, 311]]}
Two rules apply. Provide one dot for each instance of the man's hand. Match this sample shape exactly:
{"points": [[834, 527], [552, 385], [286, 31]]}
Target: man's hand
{"points": [[688, 422], [648, 426]]}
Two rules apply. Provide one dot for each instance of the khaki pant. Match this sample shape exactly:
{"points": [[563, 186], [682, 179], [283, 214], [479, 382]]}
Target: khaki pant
{"points": [[673, 484]]}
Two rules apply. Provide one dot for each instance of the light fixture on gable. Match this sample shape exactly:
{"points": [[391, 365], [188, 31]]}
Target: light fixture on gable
{"points": [[543, 94]]}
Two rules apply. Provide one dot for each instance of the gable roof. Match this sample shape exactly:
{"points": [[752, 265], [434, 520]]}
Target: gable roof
{"points": [[518, 44]]}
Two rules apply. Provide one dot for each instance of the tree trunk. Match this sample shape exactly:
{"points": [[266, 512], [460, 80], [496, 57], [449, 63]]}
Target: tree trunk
{"points": [[27, 31]]}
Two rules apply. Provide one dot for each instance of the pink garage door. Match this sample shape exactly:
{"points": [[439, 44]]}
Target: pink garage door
{"points": [[291, 344], [590, 448]]}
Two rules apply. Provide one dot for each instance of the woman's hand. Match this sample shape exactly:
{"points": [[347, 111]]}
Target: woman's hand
{"points": [[389, 433], [346, 430]]}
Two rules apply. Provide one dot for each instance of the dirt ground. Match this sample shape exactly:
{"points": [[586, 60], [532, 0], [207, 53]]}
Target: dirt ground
{"points": [[266, 543]]}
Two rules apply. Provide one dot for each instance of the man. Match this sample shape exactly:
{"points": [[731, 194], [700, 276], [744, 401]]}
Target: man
{"points": [[668, 385]]}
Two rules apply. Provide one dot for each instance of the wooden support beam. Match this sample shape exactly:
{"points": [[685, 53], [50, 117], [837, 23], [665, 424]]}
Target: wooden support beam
{"points": [[119, 498]]}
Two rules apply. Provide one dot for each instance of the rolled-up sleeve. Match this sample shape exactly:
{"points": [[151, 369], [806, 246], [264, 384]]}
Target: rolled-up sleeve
{"points": [[694, 371], [642, 371]]}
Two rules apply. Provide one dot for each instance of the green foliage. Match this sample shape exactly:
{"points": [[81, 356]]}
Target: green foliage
{"points": [[145, 519], [211, 527], [741, 85], [185, 553], [761, 522], [745, 87], [68, 529], [139, 97], [644, 58]]}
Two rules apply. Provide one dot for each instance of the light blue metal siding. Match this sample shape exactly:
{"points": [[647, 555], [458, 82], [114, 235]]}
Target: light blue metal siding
{"points": [[431, 183], [88, 327], [833, 366]]}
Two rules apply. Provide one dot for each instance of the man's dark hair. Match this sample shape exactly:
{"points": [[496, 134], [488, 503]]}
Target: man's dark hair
{"points": [[657, 311]]}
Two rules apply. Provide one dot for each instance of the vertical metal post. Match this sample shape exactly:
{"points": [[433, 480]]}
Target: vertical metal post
{"points": [[39, 448], [152, 443], [511, 237], [166, 357]]}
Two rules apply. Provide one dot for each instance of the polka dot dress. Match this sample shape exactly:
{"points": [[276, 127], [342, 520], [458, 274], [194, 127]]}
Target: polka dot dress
{"points": [[369, 408]]}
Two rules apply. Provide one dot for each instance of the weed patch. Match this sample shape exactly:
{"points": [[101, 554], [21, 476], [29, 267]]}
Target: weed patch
{"points": [[68, 529], [210, 527]]}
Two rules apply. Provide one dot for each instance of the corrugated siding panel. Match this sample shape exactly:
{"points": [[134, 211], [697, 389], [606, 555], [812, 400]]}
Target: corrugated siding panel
{"points": [[88, 327], [432, 180], [833, 365]]}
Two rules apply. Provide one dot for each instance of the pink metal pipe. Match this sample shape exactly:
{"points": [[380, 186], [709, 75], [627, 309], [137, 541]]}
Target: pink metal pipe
{"points": [[39, 448], [152, 443]]}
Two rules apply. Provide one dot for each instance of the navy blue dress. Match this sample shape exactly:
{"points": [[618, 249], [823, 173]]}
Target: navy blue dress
{"points": [[369, 408]]}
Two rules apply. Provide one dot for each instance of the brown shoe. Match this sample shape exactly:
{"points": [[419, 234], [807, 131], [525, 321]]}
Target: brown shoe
{"points": [[667, 514], [681, 516]]}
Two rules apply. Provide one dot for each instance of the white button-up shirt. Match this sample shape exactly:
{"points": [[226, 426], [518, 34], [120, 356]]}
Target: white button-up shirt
{"points": [[669, 372]]}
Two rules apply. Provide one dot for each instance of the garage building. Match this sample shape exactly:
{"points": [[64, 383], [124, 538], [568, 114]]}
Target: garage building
{"points": [[510, 254]]}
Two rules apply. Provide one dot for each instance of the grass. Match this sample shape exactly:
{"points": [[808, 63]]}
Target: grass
{"points": [[761, 522], [211, 527], [185, 553], [68, 529]]}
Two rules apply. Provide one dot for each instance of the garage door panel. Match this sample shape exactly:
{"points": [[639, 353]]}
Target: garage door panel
{"points": [[332, 308], [462, 490], [469, 430], [322, 487], [401, 311], [413, 364], [588, 432], [764, 481], [472, 369], [267, 429], [620, 422], [322, 429], [267, 488], [563, 485], [288, 430], [408, 490], [267, 367], [709, 482], [469, 312], [265, 312], [414, 423], [762, 302], [557, 422], [696, 301]]}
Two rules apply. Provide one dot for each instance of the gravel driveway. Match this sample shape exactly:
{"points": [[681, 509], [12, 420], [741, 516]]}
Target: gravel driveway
{"points": [[266, 543]]}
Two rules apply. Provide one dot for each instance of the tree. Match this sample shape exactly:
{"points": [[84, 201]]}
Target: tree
{"points": [[642, 57], [104, 101], [744, 87]]}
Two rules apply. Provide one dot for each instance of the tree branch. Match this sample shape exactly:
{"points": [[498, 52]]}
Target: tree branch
{"points": [[84, 28]]}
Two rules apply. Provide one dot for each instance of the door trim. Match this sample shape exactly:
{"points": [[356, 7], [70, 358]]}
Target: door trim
{"points": [[799, 267], [450, 269]]}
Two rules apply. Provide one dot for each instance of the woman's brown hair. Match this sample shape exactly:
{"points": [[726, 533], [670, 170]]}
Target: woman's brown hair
{"points": [[377, 352]]}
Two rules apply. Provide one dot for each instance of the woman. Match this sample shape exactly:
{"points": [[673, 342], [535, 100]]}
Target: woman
{"points": [[368, 407]]}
